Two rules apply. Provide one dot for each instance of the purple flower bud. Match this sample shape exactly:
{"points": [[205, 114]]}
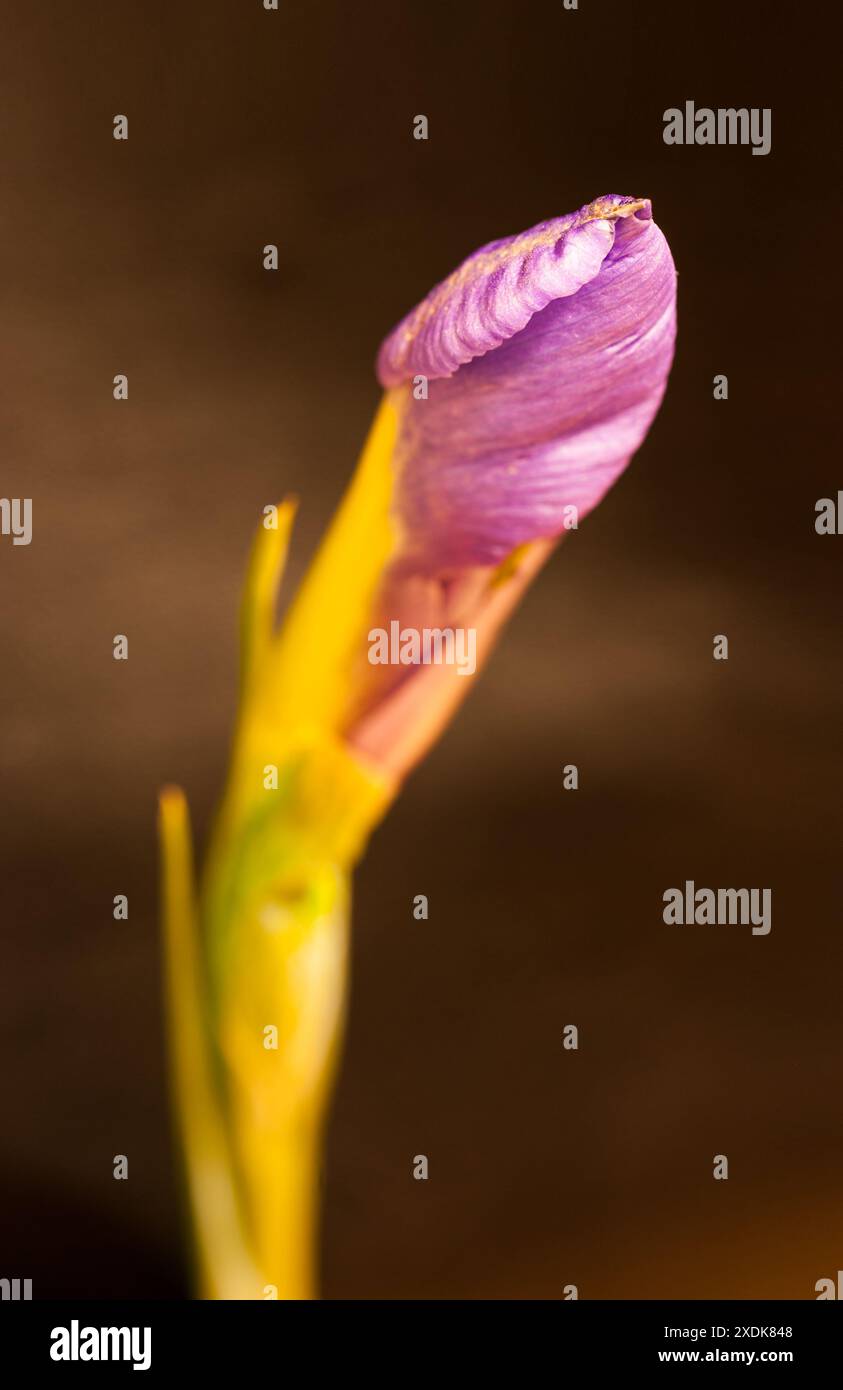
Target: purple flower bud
{"points": [[547, 356]]}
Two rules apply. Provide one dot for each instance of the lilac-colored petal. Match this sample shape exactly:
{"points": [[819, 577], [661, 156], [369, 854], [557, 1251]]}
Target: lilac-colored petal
{"points": [[547, 356]]}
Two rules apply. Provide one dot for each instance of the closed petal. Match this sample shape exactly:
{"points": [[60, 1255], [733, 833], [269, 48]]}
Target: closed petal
{"points": [[547, 356]]}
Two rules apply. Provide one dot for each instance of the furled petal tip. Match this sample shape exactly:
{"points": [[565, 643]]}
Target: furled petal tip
{"points": [[546, 357]]}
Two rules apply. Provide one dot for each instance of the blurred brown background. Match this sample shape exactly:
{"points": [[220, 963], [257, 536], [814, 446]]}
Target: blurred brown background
{"points": [[547, 1167]]}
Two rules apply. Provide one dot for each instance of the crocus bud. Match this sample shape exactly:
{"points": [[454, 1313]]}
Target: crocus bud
{"points": [[547, 356]]}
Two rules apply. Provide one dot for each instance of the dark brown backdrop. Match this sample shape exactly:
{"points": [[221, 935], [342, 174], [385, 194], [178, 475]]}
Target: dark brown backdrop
{"points": [[547, 1167]]}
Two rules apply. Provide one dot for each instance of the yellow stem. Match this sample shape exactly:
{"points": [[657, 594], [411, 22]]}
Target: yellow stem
{"points": [[225, 1268]]}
